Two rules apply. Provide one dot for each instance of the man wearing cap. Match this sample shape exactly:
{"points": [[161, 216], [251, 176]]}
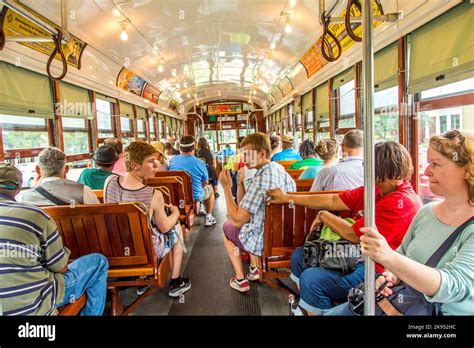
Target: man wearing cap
{"points": [[288, 153], [105, 158], [53, 187], [202, 191], [35, 278]]}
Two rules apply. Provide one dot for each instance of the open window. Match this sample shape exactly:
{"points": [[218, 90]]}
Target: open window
{"points": [[308, 120], [105, 119], [142, 116], [126, 123], [343, 94]]}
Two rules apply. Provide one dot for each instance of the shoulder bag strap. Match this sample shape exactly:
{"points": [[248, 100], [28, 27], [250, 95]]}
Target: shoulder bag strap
{"points": [[49, 196], [434, 259]]}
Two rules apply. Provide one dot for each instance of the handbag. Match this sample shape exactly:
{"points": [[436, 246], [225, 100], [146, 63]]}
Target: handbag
{"points": [[406, 300], [339, 255]]}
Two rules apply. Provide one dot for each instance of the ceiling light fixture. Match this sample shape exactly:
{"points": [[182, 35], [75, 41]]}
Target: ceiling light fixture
{"points": [[293, 3], [272, 46], [188, 95], [287, 18], [173, 72], [116, 13], [160, 68], [288, 28], [185, 84], [178, 86], [123, 34]]}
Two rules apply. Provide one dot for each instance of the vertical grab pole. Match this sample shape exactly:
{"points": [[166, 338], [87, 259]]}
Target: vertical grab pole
{"points": [[369, 172]]}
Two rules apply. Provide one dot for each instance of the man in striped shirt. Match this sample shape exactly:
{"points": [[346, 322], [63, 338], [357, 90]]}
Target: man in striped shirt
{"points": [[35, 278]]}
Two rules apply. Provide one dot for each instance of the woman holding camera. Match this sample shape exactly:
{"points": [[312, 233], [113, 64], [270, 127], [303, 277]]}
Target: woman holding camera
{"points": [[451, 174], [395, 207]]}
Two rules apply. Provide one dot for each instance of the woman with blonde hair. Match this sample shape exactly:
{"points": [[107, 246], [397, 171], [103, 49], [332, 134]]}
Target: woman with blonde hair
{"points": [[450, 283], [326, 150]]}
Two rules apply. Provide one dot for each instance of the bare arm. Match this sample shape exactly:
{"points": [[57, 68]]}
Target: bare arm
{"points": [[423, 278], [340, 226], [324, 201], [162, 221], [238, 216], [240, 185]]}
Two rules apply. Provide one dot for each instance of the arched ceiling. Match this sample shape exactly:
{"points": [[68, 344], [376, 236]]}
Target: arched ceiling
{"points": [[203, 45]]}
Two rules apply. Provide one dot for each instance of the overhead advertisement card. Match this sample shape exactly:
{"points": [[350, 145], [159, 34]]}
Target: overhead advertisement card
{"points": [[224, 109], [16, 25], [313, 60]]}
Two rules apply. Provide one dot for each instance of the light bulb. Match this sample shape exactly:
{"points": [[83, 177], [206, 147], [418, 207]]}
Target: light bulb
{"points": [[185, 84], [292, 3], [288, 28], [178, 86], [272, 46], [254, 92], [160, 68], [116, 12], [173, 72], [124, 35], [188, 95]]}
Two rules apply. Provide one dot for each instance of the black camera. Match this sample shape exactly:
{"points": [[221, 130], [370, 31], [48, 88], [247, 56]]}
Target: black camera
{"points": [[356, 299]]}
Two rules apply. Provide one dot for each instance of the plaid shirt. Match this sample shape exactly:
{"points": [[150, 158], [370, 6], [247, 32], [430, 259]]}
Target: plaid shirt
{"points": [[346, 175], [270, 176]]}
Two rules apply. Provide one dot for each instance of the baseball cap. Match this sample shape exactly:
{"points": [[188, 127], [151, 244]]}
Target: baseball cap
{"points": [[106, 154], [9, 174], [287, 138]]}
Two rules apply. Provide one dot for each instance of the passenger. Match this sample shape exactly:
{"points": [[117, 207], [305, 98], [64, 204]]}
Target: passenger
{"points": [[204, 152], [244, 228], [104, 158], [451, 176], [174, 151], [327, 151], [308, 153], [37, 280], [202, 191], [169, 151], [348, 173], [288, 153], [275, 144], [162, 161], [396, 204], [119, 166], [141, 165], [53, 188]]}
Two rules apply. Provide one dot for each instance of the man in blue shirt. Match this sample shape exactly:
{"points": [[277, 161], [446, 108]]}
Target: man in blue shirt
{"points": [[202, 191], [288, 153]]}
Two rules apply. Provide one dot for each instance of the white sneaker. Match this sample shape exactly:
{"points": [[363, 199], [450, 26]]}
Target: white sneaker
{"points": [[202, 210], [210, 221]]}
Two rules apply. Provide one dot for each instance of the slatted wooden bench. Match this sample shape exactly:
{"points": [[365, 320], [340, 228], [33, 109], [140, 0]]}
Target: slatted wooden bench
{"points": [[189, 203], [303, 184], [285, 229], [122, 234], [73, 308], [295, 173], [286, 164], [175, 192]]}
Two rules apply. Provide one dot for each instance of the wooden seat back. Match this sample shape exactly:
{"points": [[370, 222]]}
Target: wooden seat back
{"points": [[175, 190], [285, 229], [295, 173], [188, 186], [73, 308], [286, 164], [121, 232], [304, 185]]}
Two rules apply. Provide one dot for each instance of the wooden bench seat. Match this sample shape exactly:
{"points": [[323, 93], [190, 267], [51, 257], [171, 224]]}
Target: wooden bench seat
{"points": [[286, 164], [285, 229], [121, 233], [73, 308], [189, 204]]}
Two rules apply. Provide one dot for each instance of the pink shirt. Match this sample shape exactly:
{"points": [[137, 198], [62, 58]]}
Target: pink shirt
{"points": [[119, 166]]}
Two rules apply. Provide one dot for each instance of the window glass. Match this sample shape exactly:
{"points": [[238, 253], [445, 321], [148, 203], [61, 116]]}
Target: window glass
{"points": [[452, 88], [386, 114], [347, 105], [322, 136], [76, 168], [23, 132], [125, 124], [104, 118], [436, 122], [76, 140]]}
